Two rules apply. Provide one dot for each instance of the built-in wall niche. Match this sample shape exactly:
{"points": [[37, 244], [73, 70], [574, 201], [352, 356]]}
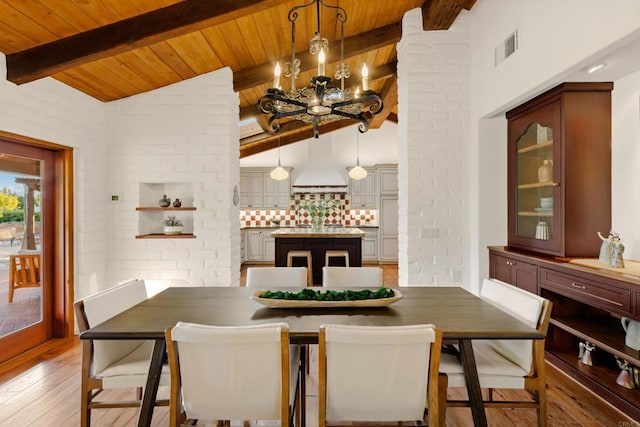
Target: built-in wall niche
{"points": [[152, 215]]}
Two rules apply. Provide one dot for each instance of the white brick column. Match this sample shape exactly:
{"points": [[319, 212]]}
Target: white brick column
{"points": [[433, 153]]}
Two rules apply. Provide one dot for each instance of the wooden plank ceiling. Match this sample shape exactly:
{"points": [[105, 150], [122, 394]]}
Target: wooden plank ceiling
{"points": [[112, 49]]}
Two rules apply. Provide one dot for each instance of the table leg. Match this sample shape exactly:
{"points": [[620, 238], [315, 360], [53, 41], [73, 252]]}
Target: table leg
{"points": [[473, 383], [151, 389]]}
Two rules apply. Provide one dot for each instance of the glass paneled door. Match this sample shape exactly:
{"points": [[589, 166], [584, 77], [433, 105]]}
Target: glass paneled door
{"points": [[26, 291]]}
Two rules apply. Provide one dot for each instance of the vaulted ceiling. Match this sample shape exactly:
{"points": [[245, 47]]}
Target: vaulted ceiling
{"points": [[112, 49]]}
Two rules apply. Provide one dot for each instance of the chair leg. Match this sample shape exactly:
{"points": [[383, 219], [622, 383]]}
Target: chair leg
{"points": [[443, 385]]}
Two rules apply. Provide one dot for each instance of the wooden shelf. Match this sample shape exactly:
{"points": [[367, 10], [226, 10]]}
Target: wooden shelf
{"points": [[534, 213], [601, 378], [537, 185], [605, 332], [166, 236], [144, 208], [535, 147]]}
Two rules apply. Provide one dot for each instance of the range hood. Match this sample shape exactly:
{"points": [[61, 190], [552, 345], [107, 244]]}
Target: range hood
{"points": [[320, 175]]}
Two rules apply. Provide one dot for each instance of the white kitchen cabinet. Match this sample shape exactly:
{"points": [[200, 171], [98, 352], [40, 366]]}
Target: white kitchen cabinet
{"points": [[388, 239], [363, 191], [258, 190], [251, 190], [259, 246], [370, 244], [388, 179], [276, 193], [243, 255]]}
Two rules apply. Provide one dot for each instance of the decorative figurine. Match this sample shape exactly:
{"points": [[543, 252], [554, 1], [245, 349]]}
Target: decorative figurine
{"points": [[605, 248], [165, 202], [617, 252], [585, 356], [177, 203]]}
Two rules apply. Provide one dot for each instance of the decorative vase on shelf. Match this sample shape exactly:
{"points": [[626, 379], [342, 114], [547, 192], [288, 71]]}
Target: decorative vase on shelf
{"points": [[545, 171], [165, 202], [177, 203]]}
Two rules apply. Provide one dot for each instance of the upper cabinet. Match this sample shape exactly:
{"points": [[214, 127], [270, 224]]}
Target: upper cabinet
{"points": [[388, 179], [363, 191], [559, 170], [258, 190]]}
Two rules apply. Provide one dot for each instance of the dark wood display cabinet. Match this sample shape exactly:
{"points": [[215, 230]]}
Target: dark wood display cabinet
{"points": [[588, 304], [559, 170]]}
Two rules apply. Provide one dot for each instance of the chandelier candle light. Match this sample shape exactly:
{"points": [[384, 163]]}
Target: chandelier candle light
{"points": [[322, 101]]}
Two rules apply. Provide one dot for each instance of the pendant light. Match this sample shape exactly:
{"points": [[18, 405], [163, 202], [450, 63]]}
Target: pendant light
{"points": [[279, 173], [357, 172]]}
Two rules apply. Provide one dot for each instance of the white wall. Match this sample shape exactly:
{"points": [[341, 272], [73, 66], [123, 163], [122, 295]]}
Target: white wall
{"points": [[556, 39], [51, 111], [177, 134], [625, 163]]}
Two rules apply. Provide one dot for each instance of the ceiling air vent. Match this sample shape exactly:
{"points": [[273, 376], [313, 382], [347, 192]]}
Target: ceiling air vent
{"points": [[506, 48]]}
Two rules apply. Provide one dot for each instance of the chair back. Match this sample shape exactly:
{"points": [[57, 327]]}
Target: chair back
{"points": [[25, 269], [522, 305], [369, 373], [277, 277], [370, 277], [97, 308], [230, 373]]}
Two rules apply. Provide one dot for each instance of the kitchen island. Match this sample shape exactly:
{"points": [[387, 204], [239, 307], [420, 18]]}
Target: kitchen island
{"points": [[318, 242]]}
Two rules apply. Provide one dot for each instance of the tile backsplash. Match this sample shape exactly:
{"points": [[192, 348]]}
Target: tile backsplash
{"points": [[341, 215]]}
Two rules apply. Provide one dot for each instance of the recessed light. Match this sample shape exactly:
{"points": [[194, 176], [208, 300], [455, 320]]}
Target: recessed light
{"points": [[596, 67]]}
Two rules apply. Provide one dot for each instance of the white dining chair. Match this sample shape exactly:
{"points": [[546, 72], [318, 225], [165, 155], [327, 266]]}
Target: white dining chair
{"points": [[113, 364], [295, 277], [352, 277], [253, 375], [378, 373], [505, 364]]}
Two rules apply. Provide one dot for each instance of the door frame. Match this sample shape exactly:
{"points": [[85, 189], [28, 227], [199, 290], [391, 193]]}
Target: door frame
{"points": [[60, 236]]}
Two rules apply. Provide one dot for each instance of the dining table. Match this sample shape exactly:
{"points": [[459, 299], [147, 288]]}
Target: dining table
{"points": [[461, 315]]}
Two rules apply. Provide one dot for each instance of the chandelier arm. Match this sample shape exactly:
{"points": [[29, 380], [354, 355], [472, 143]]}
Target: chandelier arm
{"points": [[275, 127]]}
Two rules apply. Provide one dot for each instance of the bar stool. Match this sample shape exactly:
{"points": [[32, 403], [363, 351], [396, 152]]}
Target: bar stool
{"points": [[336, 254], [302, 254]]}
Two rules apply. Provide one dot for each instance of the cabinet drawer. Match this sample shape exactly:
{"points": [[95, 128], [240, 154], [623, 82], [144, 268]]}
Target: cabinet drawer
{"points": [[601, 295]]}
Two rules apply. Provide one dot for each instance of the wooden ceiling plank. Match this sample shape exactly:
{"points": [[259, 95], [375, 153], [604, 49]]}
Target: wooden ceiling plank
{"points": [[86, 81], [196, 51], [173, 60], [24, 25], [263, 73], [142, 30]]}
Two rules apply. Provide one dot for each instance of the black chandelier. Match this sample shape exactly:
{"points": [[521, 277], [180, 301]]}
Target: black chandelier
{"points": [[322, 101]]}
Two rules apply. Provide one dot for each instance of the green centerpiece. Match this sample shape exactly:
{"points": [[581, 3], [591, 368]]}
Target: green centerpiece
{"points": [[329, 295]]}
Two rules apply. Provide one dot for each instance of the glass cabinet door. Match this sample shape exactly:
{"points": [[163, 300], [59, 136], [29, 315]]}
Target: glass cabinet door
{"points": [[534, 191]]}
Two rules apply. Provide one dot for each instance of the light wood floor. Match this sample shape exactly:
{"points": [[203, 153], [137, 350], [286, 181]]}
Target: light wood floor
{"points": [[46, 392]]}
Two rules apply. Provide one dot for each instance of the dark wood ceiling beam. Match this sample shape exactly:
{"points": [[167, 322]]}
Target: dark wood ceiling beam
{"points": [[389, 95], [440, 14], [393, 117], [142, 30], [355, 45], [290, 133], [383, 71]]}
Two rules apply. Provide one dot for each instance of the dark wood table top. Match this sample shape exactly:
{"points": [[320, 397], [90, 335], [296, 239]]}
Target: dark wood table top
{"points": [[460, 314]]}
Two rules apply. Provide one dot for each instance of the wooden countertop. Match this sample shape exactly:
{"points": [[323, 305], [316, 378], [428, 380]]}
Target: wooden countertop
{"points": [[327, 232]]}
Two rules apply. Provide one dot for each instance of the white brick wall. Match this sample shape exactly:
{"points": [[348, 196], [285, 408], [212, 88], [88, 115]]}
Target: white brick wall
{"points": [[433, 151], [177, 134], [48, 110]]}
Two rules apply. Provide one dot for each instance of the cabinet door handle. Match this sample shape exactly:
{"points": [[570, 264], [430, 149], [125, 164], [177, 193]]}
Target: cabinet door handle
{"points": [[556, 184], [511, 263], [577, 286]]}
